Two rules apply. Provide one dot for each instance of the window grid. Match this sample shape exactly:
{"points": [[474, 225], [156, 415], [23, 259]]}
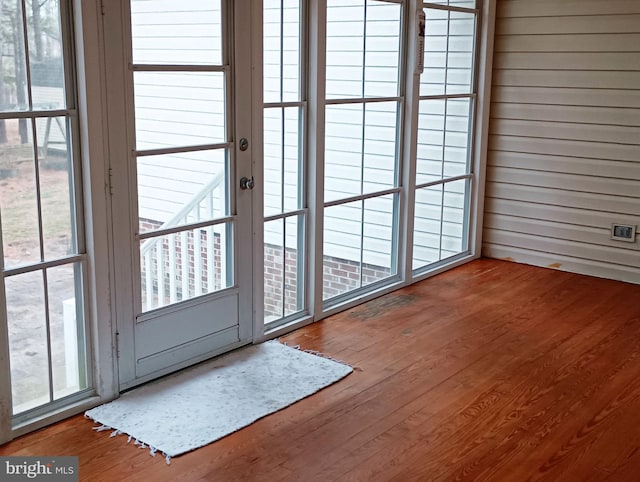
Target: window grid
{"points": [[360, 199], [205, 222], [278, 312], [446, 96], [66, 120]]}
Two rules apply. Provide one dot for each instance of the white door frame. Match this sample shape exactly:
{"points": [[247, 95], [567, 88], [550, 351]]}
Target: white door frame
{"points": [[122, 171]]}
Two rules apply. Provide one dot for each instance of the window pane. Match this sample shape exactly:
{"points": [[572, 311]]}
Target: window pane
{"points": [[455, 3], [443, 137], [360, 148], [382, 53], [448, 53], [66, 319], [56, 187], [170, 32], [283, 267], [273, 269], [378, 247], [178, 189], [184, 265], [342, 249], [345, 43], [26, 320], [439, 223], [380, 147], [45, 55], [179, 109], [453, 218], [359, 246], [282, 159], [294, 264], [363, 45], [13, 70], [18, 198], [281, 50], [343, 151]]}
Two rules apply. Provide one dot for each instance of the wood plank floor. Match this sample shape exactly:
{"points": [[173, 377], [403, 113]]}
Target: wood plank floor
{"points": [[492, 371]]}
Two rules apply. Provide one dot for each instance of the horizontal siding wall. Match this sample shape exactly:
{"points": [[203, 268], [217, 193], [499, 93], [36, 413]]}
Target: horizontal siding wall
{"points": [[564, 149]]}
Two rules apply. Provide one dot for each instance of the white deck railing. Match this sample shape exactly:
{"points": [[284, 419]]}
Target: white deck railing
{"points": [[184, 282]]}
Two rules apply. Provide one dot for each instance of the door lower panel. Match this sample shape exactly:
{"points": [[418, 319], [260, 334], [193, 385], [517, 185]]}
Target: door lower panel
{"points": [[176, 336]]}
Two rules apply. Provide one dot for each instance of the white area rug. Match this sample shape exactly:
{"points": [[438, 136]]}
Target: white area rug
{"points": [[202, 404]]}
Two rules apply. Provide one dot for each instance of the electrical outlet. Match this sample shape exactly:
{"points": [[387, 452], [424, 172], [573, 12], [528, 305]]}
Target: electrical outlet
{"points": [[623, 232]]}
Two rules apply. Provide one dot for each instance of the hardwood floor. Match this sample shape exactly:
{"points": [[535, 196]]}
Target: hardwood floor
{"points": [[492, 371]]}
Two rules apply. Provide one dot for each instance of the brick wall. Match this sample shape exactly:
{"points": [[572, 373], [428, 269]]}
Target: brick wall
{"points": [[276, 295], [280, 273], [342, 275], [339, 276]]}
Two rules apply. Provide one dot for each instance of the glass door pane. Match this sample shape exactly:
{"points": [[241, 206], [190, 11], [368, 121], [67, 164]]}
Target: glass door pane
{"points": [[183, 156]]}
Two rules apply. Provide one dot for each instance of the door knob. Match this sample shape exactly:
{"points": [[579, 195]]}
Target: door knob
{"points": [[247, 183]]}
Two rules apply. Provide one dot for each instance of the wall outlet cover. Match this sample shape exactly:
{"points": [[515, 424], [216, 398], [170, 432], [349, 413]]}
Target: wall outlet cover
{"points": [[623, 232]]}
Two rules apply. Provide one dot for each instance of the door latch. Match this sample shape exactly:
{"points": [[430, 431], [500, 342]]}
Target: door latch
{"points": [[246, 183]]}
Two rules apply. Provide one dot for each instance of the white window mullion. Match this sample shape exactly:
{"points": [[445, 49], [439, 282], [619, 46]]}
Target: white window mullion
{"points": [[315, 150], [257, 134], [47, 321], [409, 160], [5, 370]]}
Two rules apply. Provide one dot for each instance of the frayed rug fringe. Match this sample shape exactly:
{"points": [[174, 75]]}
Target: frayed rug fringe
{"points": [[152, 450]]}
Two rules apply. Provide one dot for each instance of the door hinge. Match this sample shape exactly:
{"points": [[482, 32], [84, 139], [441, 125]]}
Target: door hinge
{"points": [[110, 181], [102, 7], [117, 344]]}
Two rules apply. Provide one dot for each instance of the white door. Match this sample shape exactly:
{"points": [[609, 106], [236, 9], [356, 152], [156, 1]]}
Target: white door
{"points": [[181, 181]]}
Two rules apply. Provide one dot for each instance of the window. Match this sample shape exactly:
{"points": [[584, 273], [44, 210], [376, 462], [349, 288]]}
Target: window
{"points": [[43, 252], [285, 210], [365, 73], [446, 107], [362, 131]]}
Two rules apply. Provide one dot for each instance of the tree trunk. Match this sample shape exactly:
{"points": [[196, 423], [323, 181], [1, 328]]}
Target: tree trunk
{"points": [[3, 101], [37, 31], [21, 73]]}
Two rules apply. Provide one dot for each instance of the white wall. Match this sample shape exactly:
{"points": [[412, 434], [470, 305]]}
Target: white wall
{"points": [[564, 149]]}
